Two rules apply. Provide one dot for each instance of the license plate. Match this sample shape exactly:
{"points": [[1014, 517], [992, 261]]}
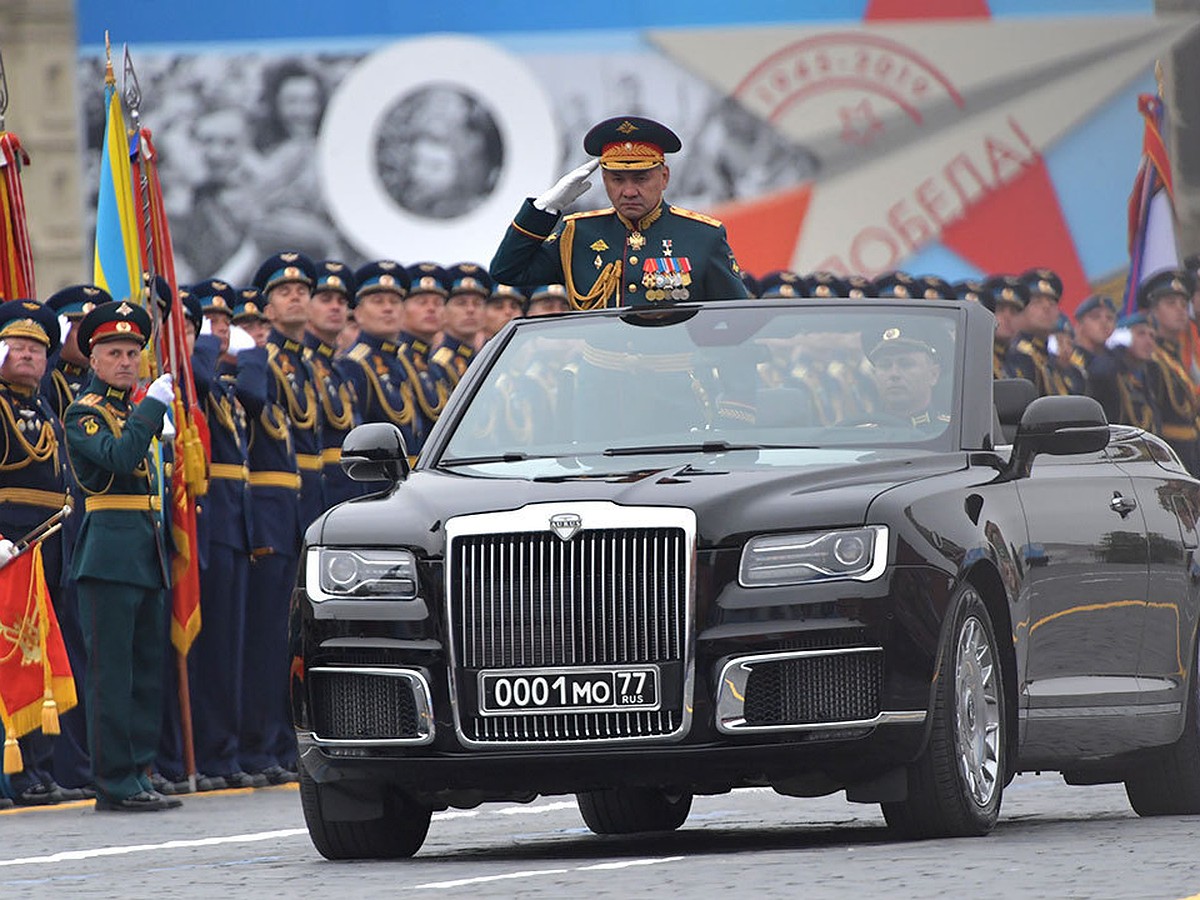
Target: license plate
{"points": [[529, 691]]}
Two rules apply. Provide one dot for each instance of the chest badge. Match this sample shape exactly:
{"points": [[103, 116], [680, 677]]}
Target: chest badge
{"points": [[637, 240], [666, 247]]}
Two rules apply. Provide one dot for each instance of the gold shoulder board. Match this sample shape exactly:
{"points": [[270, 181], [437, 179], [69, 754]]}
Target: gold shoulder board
{"points": [[699, 217]]}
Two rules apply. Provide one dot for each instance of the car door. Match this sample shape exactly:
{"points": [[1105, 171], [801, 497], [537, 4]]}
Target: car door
{"points": [[1086, 582], [1170, 506]]}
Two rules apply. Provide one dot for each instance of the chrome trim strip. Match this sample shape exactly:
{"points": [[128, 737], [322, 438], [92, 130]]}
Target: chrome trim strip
{"points": [[1084, 712], [731, 701], [421, 698], [595, 515]]}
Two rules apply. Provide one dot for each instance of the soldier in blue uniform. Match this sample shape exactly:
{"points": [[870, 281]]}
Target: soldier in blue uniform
{"points": [[32, 488], [1165, 296], [231, 389], [70, 371], [1122, 386], [382, 380], [503, 304], [1029, 354], [639, 251], [120, 560], [461, 319], [547, 300], [424, 308], [248, 315], [286, 495], [1009, 296], [328, 314], [1095, 321]]}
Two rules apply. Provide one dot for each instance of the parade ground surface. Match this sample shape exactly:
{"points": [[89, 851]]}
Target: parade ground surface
{"points": [[1052, 841]]}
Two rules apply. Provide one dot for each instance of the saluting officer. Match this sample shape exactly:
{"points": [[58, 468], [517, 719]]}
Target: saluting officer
{"points": [[462, 318], [1165, 296], [71, 371], [639, 251], [120, 560], [286, 496], [1121, 386], [32, 488], [232, 388], [382, 381], [328, 314], [1029, 355]]}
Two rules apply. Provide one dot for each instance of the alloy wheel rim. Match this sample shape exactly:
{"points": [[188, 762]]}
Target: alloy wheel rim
{"points": [[977, 712]]}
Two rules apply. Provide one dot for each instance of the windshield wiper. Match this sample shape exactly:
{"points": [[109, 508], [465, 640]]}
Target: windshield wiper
{"points": [[704, 447], [510, 456]]}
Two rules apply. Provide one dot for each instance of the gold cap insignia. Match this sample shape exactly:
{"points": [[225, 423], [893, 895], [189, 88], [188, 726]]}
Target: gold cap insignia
{"points": [[334, 266], [333, 281], [627, 127], [470, 284], [88, 307], [220, 285], [289, 257], [124, 326], [428, 282], [252, 307], [1045, 287], [219, 302], [124, 309], [91, 292], [427, 267], [291, 272], [1008, 294], [469, 267], [386, 281], [387, 265]]}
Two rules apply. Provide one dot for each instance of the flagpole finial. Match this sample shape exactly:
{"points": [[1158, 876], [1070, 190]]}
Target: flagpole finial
{"points": [[109, 77], [3, 92], [131, 88]]}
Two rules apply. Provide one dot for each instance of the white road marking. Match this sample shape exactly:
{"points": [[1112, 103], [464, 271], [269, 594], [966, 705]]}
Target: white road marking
{"points": [[536, 873], [92, 853]]}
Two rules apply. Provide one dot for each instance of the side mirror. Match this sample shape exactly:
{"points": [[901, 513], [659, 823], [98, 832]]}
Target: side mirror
{"points": [[1059, 426], [375, 452]]}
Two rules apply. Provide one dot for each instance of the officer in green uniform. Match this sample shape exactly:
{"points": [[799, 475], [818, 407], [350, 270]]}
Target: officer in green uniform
{"points": [[906, 369], [1165, 296], [120, 561], [639, 251]]}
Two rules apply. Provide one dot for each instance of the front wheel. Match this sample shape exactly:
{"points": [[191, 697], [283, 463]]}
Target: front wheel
{"points": [[954, 788], [398, 833], [631, 810]]}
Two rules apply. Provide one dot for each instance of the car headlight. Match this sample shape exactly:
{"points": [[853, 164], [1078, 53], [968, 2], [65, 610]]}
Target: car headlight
{"points": [[335, 573], [858, 554]]}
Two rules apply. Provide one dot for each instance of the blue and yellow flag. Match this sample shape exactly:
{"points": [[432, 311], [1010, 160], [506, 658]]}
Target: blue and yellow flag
{"points": [[117, 266]]}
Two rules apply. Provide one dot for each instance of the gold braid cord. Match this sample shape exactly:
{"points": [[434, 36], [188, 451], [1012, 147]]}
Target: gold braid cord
{"points": [[431, 412], [404, 416], [1145, 421], [1175, 377], [45, 448], [303, 417], [606, 286], [338, 421]]}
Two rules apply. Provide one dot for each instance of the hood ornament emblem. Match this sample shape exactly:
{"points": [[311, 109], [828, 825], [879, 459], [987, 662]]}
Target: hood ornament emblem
{"points": [[565, 525]]}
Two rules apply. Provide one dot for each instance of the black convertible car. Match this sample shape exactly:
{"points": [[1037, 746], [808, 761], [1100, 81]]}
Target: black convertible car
{"points": [[805, 544]]}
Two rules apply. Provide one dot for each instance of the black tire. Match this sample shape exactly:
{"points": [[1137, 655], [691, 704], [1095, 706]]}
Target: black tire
{"points": [[632, 810], [397, 834], [955, 786], [1167, 782]]}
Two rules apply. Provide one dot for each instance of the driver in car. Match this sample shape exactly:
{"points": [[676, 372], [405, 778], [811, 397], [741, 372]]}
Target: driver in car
{"points": [[905, 366]]}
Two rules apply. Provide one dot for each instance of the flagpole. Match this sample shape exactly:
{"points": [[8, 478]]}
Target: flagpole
{"points": [[133, 98]]}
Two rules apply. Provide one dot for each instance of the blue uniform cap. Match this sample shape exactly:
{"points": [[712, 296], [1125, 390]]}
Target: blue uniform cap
{"points": [[1008, 290], [333, 275], [858, 286], [283, 268], [1141, 317], [249, 306], [549, 292], [78, 300], [379, 276], [824, 285], [781, 283], [191, 308], [934, 287], [1094, 302], [32, 320], [974, 291], [897, 285], [1042, 281], [502, 292], [214, 296], [428, 278], [469, 278], [1162, 284]]}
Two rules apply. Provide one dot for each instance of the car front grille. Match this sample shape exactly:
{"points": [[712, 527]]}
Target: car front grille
{"points": [[364, 705], [607, 596], [844, 687]]}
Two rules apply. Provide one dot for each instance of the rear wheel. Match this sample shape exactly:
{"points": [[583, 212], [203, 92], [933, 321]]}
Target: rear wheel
{"points": [[398, 833], [954, 788], [1167, 782], [630, 810]]}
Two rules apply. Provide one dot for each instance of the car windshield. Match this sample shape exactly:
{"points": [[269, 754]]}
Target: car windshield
{"points": [[715, 380]]}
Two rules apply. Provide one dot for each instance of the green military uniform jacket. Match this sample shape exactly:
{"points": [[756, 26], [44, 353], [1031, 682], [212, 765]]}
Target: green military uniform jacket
{"points": [[108, 443], [606, 260]]}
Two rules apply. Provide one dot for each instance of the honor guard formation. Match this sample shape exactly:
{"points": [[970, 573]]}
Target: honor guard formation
{"points": [[284, 368]]}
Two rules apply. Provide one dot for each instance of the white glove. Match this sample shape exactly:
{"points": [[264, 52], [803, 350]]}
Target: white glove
{"points": [[161, 389], [168, 426], [239, 341], [3, 352], [7, 551], [567, 189]]}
